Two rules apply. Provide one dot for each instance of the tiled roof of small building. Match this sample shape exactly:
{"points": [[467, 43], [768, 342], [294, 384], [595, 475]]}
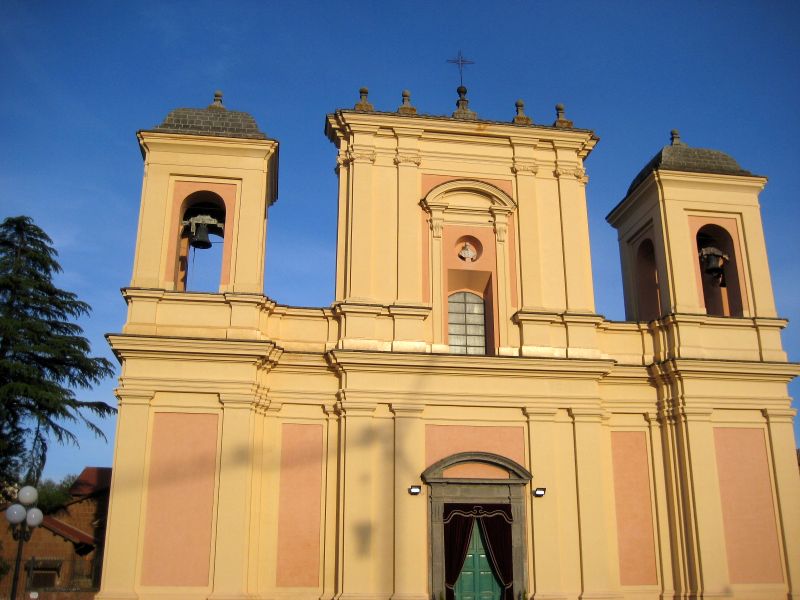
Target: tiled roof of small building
{"points": [[214, 120], [679, 157], [67, 531], [91, 480]]}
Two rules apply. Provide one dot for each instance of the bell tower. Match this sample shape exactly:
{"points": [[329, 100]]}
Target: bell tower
{"points": [[208, 171], [691, 237]]}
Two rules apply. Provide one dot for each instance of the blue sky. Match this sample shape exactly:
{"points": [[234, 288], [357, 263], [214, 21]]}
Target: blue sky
{"points": [[80, 78]]}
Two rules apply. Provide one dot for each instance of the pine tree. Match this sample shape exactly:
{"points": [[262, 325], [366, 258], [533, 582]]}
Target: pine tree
{"points": [[43, 355]]}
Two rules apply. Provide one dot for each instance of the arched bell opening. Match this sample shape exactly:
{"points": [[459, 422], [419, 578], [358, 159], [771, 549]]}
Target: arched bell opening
{"points": [[719, 272], [647, 290], [483, 494], [201, 244]]}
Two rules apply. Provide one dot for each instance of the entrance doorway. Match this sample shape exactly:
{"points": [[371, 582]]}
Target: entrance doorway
{"points": [[477, 579], [477, 528]]}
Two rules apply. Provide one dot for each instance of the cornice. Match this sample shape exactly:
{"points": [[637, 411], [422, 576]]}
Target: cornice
{"points": [[754, 183], [729, 370], [153, 141], [495, 366], [127, 346], [408, 310], [130, 293], [629, 375], [713, 321], [304, 397], [518, 400], [281, 310], [582, 140], [365, 308]]}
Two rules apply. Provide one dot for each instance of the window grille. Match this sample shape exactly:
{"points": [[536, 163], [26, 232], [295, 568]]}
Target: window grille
{"points": [[466, 327]]}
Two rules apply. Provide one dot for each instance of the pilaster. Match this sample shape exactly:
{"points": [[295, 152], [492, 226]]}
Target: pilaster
{"points": [[547, 531], [245, 313], [500, 217], [410, 512], [782, 448], [697, 500], [542, 334], [662, 522], [572, 179], [123, 541], [332, 480], [531, 260], [409, 232], [361, 158], [234, 498], [409, 329], [599, 555], [436, 222], [357, 566], [358, 326]]}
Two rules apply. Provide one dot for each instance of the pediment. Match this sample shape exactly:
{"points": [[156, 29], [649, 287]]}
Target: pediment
{"points": [[468, 196], [476, 467]]}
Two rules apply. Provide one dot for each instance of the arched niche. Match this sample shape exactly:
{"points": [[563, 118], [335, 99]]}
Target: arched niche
{"points": [[719, 271], [479, 483], [647, 290]]}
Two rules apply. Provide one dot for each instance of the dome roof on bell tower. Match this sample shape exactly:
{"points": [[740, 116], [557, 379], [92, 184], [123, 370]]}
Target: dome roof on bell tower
{"points": [[214, 120], [678, 156]]}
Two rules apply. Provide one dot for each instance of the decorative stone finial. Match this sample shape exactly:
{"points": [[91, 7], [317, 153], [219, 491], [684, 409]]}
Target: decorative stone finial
{"points": [[405, 108], [462, 105], [521, 118], [363, 104], [561, 120], [675, 137], [217, 103]]}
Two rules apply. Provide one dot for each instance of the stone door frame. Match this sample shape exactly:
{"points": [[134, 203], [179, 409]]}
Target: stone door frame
{"points": [[458, 490]]}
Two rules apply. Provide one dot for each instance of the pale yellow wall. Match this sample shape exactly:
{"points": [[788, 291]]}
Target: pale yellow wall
{"points": [[323, 417]]}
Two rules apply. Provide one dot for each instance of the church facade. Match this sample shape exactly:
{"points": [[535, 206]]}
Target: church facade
{"points": [[460, 422]]}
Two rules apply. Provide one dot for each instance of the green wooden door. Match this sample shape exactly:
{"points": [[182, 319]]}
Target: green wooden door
{"points": [[477, 581]]}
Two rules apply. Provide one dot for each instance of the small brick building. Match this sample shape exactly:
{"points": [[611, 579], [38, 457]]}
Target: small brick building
{"points": [[63, 559]]}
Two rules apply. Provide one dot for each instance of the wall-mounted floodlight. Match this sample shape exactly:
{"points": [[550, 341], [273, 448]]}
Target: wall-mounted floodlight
{"points": [[415, 490], [539, 492]]}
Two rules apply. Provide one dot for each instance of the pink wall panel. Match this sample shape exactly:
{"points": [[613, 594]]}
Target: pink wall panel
{"points": [[751, 536], [637, 554], [300, 506], [180, 500]]}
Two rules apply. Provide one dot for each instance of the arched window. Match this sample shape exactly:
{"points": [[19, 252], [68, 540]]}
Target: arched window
{"points": [[719, 272], [466, 323], [200, 249], [649, 300]]}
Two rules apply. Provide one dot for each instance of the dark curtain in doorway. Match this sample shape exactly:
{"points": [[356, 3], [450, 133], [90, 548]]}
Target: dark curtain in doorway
{"points": [[496, 531], [457, 533], [494, 521]]}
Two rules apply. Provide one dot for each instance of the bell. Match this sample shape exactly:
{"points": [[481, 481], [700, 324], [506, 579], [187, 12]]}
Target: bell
{"points": [[199, 237], [713, 261]]}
